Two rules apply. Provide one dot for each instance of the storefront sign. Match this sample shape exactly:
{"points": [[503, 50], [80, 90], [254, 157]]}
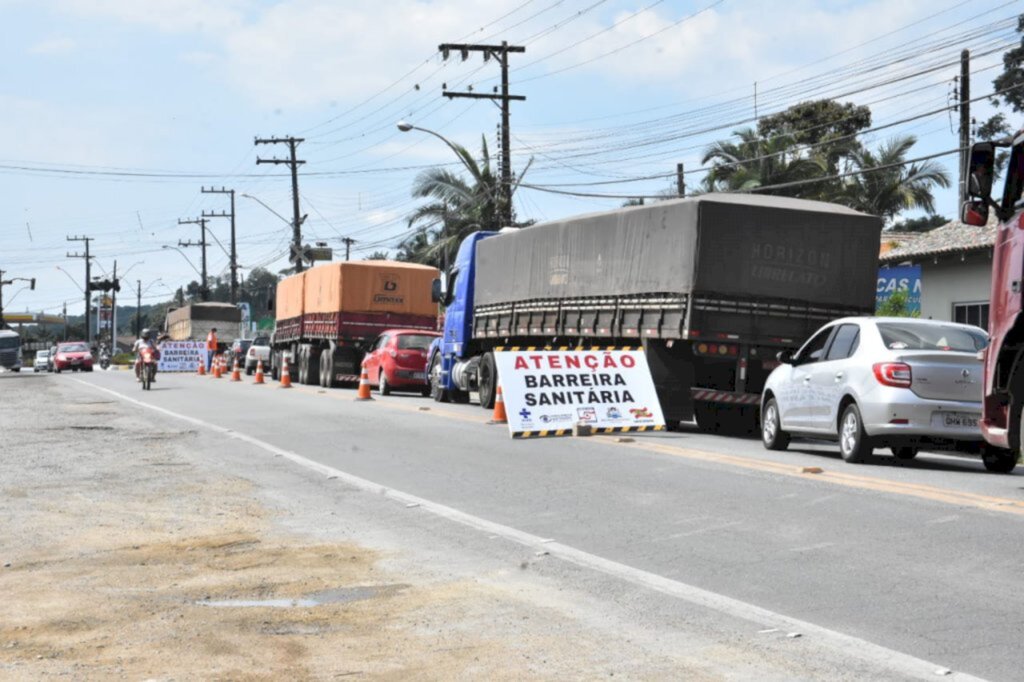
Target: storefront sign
{"points": [[905, 278], [547, 392]]}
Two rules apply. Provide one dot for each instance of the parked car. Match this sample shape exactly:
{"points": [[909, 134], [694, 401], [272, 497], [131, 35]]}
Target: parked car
{"points": [[869, 382], [42, 361], [74, 356], [259, 349], [50, 357], [398, 360], [237, 351]]}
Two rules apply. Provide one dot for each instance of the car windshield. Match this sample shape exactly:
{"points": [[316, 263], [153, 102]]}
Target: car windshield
{"points": [[940, 337], [42, 355], [414, 341], [261, 341], [74, 348]]}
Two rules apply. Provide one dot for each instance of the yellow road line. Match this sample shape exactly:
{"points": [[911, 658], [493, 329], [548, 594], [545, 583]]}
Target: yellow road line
{"points": [[918, 490]]}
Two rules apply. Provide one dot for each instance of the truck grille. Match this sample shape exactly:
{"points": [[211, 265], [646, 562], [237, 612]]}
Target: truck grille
{"points": [[9, 358]]}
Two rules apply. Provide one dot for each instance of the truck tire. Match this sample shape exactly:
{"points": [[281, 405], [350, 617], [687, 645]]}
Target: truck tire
{"points": [[326, 368], [312, 366], [275, 365], [303, 365], [488, 381], [439, 394]]}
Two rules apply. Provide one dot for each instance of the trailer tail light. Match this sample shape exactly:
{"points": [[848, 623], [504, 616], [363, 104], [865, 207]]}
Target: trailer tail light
{"points": [[895, 374], [716, 349]]}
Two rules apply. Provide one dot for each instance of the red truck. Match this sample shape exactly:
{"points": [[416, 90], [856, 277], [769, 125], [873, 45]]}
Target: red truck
{"points": [[1003, 389]]}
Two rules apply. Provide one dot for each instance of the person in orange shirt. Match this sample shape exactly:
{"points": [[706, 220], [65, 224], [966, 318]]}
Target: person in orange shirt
{"points": [[211, 347]]}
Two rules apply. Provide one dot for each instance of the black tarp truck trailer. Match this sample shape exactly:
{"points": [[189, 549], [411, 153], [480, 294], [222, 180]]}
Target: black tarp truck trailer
{"points": [[712, 287]]}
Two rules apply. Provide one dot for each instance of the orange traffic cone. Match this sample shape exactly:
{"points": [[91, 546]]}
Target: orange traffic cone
{"points": [[286, 376], [202, 369], [499, 416], [216, 367], [364, 386], [259, 372], [236, 373]]}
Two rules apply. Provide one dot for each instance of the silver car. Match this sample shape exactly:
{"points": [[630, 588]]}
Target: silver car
{"points": [[874, 382]]}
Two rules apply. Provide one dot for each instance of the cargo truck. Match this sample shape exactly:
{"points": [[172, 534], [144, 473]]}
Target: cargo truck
{"points": [[712, 287], [328, 316], [193, 322]]}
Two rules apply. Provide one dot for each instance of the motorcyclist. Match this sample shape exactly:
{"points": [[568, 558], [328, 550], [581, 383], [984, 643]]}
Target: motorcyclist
{"points": [[145, 340]]}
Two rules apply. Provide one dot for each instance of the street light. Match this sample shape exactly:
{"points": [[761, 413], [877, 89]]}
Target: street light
{"points": [[187, 259], [73, 280], [405, 127], [260, 202], [8, 282]]}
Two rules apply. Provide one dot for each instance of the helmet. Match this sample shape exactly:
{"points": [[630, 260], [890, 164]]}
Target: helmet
{"points": [[146, 333]]}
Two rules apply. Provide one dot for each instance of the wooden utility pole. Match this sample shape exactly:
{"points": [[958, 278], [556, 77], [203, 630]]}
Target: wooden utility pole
{"points": [[204, 287], [294, 163], [680, 181], [500, 54], [88, 282], [348, 245], [965, 121], [234, 247]]}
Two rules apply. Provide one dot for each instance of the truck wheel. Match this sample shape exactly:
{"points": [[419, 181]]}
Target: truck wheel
{"points": [[312, 366], [303, 366], [488, 381], [998, 461], [706, 417], [854, 443], [772, 435], [275, 364], [439, 394]]}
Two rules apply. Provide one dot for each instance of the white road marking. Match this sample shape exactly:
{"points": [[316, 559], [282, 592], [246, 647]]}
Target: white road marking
{"points": [[811, 548], [847, 645]]}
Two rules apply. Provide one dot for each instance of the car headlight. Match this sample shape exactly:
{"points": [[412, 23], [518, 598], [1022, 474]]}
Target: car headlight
{"points": [[62, 358]]}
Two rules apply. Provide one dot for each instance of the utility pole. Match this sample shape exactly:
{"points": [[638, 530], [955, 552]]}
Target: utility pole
{"points": [[138, 308], [500, 54], [294, 163], [348, 245], [88, 282], [204, 289], [234, 247], [65, 320], [965, 121], [680, 181]]}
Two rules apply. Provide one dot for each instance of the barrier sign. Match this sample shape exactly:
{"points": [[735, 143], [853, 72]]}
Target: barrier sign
{"points": [[546, 392], [181, 356]]}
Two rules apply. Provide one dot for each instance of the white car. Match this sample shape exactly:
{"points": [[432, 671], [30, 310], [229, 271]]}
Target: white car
{"points": [[258, 350], [42, 361], [869, 382]]}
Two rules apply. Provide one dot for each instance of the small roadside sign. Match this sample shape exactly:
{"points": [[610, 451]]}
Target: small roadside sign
{"points": [[547, 392]]}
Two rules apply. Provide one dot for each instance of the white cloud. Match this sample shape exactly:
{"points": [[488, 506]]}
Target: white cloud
{"points": [[53, 46], [166, 15]]}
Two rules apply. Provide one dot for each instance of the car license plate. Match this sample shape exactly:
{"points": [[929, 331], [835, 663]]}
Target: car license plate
{"points": [[419, 375], [955, 420]]}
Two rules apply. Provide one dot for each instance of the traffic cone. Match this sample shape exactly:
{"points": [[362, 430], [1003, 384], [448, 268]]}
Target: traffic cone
{"points": [[216, 367], [202, 369], [236, 373], [499, 416], [364, 386], [259, 372], [286, 376]]}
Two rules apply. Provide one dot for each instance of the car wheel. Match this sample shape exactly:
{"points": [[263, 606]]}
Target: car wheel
{"points": [[382, 384], [772, 435], [905, 452], [997, 460], [854, 444], [425, 392]]}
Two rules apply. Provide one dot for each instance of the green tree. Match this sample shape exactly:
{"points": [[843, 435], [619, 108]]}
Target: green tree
{"points": [[895, 186], [378, 255], [922, 224], [896, 305], [825, 125]]}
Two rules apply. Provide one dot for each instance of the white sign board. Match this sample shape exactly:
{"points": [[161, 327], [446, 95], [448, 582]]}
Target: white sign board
{"points": [[181, 356], [546, 392]]}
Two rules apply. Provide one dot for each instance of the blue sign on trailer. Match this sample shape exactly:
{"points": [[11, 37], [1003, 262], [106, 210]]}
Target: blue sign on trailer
{"points": [[901, 278]]}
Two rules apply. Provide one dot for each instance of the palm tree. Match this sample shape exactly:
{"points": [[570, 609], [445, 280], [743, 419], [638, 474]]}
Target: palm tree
{"points": [[885, 185], [753, 162], [458, 207]]}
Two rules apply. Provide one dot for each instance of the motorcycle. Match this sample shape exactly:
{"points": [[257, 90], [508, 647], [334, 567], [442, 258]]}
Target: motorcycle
{"points": [[147, 370], [104, 360]]}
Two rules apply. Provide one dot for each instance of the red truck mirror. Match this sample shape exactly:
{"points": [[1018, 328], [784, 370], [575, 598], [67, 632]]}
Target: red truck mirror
{"points": [[974, 213], [435, 291], [981, 167]]}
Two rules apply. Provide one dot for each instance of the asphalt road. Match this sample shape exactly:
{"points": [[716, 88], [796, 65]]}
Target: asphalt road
{"points": [[919, 558]]}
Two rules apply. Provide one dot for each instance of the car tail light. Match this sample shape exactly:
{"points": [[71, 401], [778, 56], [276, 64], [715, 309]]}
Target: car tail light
{"points": [[892, 374]]}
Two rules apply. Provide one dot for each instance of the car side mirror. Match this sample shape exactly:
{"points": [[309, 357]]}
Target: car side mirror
{"points": [[785, 357], [974, 213], [436, 295]]}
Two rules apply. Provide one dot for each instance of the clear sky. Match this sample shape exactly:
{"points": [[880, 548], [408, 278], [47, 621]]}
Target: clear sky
{"points": [[116, 112]]}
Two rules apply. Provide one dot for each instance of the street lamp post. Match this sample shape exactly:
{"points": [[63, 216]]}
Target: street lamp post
{"points": [[7, 282]]}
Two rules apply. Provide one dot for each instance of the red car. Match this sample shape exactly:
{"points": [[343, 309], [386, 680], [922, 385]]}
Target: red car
{"points": [[398, 360], [72, 355]]}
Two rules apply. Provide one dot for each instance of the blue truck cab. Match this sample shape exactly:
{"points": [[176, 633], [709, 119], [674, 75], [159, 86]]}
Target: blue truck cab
{"points": [[453, 362]]}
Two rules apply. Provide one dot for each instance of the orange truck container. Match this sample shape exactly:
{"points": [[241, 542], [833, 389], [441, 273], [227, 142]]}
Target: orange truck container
{"points": [[328, 316]]}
